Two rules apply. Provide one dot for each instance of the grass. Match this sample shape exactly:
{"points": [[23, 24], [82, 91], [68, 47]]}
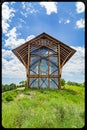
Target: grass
{"points": [[44, 108]]}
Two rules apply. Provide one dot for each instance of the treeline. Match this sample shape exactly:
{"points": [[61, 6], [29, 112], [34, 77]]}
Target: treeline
{"points": [[7, 87], [12, 86], [75, 83], [63, 82]]}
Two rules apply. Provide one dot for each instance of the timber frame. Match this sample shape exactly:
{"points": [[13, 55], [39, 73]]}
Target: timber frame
{"points": [[45, 51]]}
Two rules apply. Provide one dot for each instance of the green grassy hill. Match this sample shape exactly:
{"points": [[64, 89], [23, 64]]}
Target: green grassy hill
{"points": [[44, 108]]}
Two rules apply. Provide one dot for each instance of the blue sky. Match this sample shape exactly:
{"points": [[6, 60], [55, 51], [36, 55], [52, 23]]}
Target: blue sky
{"points": [[22, 21]]}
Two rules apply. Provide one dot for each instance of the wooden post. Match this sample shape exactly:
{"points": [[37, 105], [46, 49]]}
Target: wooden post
{"points": [[28, 68], [59, 69], [39, 68], [27, 86], [48, 70]]}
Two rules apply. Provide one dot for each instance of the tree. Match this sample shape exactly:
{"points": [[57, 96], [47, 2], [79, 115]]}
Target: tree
{"points": [[22, 83], [12, 86], [69, 83], [63, 82]]}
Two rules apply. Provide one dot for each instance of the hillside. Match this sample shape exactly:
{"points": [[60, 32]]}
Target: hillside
{"points": [[44, 108]]}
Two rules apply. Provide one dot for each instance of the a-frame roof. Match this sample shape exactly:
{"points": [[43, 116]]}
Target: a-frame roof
{"points": [[66, 52]]}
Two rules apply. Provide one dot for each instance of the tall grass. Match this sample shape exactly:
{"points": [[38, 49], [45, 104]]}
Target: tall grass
{"points": [[44, 108]]}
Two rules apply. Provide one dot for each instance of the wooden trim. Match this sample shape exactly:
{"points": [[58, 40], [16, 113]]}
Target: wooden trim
{"points": [[66, 58], [43, 76], [28, 67], [39, 68], [48, 70], [59, 74], [21, 59]]}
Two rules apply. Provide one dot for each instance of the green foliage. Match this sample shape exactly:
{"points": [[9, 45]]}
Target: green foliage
{"points": [[7, 87], [63, 82], [74, 83], [12, 86], [9, 96], [44, 108], [22, 84]]}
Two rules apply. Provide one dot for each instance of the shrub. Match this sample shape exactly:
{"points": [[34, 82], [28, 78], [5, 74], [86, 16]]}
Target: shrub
{"points": [[9, 97], [63, 82]]}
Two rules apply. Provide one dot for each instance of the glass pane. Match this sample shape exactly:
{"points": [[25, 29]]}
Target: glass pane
{"points": [[53, 69], [43, 82], [43, 51], [54, 83], [54, 60], [33, 60], [33, 82], [35, 52], [43, 67], [33, 48], [34, 69], [52, 52]]}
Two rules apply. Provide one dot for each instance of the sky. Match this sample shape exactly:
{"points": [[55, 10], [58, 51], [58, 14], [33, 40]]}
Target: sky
{"points": [[22, 21]]}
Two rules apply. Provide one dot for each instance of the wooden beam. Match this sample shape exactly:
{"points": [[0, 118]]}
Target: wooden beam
{"points": [[43, 76], [21, 59], [38, 68], [66, 58], [59, 74], [28, 68], [48, 70]]}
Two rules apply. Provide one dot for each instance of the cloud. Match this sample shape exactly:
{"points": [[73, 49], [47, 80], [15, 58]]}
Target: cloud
{"points": [[74, 69], [80, 23], [12, 41], [12, 68], [7, 14], [64, 21], [28, 9], [7, 53], [67, 21], [30, 37], [80, 7], [50, 7]]}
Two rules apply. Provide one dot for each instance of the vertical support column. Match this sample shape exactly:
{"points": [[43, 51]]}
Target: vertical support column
{"points": [[28, 67], [48, 70], [39, 68], [59, 68]]}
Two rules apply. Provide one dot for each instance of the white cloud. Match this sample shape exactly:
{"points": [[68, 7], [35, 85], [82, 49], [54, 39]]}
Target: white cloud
{"points": [[5, 26], [64, 21], [50, 7], [67, 21], [7, 14], [7, 53], [80, 7], [12, 41], [12, 68], [80, 23], [74, 69], [12, 33], [30, 37], [28, 8]]}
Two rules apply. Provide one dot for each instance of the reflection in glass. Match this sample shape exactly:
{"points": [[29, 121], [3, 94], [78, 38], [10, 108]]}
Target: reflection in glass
{"points": [[33, 83], [43, 82]]}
